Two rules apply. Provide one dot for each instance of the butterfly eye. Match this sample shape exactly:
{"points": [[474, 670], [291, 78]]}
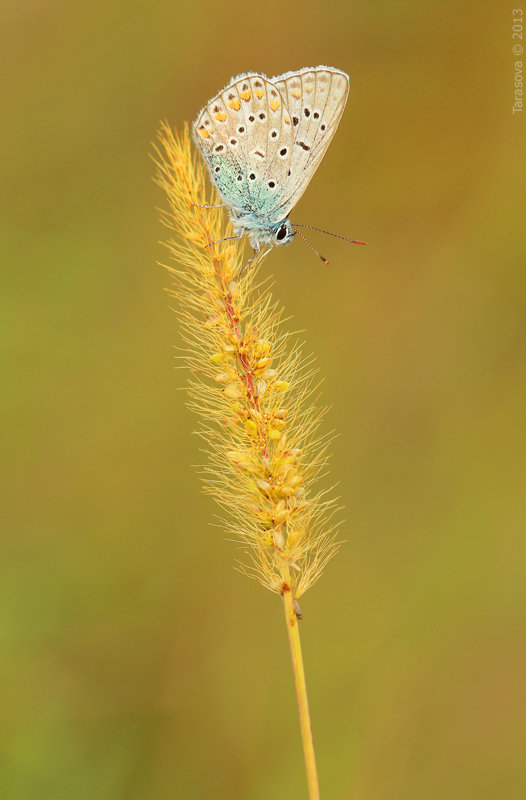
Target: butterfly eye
{"points": [[281, 233]]}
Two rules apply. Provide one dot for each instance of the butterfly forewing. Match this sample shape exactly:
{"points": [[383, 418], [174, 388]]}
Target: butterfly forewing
{"points": [[246, 136], [315, 99]]}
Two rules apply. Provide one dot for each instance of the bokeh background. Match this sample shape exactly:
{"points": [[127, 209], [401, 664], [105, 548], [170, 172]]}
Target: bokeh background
{"points": [[136, 663]]}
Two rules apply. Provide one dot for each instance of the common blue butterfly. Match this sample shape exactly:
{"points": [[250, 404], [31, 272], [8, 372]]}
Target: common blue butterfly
{"points": [[263, 139]]}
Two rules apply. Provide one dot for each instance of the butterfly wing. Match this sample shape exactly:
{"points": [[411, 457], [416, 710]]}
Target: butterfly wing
{"points": [[315, 99], [246, 136]]}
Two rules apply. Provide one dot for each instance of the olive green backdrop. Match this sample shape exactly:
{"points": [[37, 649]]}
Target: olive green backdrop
{"points": [[135, 662]]}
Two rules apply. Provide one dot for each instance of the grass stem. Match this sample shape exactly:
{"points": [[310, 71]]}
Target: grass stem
{"points": [[291, 620]]}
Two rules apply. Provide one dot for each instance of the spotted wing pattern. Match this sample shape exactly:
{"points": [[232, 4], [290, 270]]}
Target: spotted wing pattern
{"points": [[246, 136], [315, 99]]}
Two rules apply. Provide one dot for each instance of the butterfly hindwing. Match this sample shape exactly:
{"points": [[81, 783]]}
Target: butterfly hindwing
{"points": [[246, 136]]}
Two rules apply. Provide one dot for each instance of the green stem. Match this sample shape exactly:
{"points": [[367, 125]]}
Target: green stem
{"points": [[301, 693]]}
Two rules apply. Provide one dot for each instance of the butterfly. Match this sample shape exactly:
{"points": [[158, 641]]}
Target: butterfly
{"points": [[262, 140]]}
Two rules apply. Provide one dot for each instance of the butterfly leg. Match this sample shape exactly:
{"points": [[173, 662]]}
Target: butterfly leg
{"points": [[257, 258], [257, 251], [264, 255], [226, 239]]}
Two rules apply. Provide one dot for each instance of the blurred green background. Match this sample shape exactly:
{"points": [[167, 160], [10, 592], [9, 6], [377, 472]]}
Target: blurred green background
{"points": [[135, 662]]}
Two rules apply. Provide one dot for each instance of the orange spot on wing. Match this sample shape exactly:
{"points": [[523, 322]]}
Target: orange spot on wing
{"points": [[296, 94], [204, 133], [287, 121], [259, 93], [235, 104], [220, 116], [274, 104], [245, 95]]}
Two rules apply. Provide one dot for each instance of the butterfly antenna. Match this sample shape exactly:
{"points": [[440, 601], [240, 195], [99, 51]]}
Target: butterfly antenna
{"points": [[336, 235], [325, 261]]}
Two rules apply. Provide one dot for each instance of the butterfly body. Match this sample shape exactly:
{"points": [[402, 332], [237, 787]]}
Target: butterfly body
{"points": [[261, 230], [263, 139]]}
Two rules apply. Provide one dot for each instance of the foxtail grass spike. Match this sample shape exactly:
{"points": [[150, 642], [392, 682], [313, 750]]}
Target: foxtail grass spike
{"points": [[250, 385], [255, 395]]}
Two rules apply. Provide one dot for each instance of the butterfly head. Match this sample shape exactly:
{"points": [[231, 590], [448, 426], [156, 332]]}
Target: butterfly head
{"points": [[274, 234], [283, 233]]}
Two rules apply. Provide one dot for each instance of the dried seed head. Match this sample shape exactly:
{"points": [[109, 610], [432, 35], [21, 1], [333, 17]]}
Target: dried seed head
{"points": [[251, 427], [261, 388], [279, 541]]}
